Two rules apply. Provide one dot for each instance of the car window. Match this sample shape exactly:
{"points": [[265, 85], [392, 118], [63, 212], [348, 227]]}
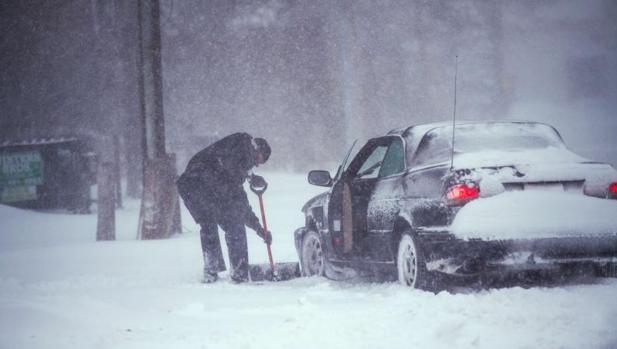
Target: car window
{"points": [[394, 160], [371, 166], [434, 148]]}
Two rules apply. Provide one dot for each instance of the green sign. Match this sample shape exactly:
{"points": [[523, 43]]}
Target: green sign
{"points": [[17, 194], [21, 169]]}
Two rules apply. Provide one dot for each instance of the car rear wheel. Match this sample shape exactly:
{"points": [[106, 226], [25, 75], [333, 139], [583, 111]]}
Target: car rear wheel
{"points": [[313, 258], [411, 265]]}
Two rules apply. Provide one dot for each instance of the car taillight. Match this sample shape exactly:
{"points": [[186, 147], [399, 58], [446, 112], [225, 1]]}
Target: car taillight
{"points": [[459, 194], [612, 191]]}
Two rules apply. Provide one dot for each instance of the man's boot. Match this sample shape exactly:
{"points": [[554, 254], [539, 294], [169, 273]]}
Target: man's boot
{"points": [[210, 277], [239, 272], [235, 236]]}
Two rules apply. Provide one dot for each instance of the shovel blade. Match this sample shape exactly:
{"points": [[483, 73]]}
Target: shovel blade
{"points": [[282, 272]]}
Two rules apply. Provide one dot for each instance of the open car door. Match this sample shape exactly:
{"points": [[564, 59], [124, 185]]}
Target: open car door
{"points": [[350, 196]]}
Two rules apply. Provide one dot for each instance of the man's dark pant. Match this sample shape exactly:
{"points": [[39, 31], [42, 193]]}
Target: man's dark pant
{"points": [[210, 209]]}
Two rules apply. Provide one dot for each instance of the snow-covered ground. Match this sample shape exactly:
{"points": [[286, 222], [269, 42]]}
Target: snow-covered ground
{"points": [[61, 289]]}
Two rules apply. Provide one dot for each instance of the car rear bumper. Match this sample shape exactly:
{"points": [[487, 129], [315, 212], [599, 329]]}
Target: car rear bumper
{"points": [[450, 255]]}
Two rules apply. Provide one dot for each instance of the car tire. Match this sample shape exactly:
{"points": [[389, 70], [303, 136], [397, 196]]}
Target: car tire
{"points": [[411, 265], [313, 260]]}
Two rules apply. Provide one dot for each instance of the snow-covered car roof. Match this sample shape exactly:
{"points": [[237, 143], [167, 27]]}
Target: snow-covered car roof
{"points": [[414, 134], [417, 131]]}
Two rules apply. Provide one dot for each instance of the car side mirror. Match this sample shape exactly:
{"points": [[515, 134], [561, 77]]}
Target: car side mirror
{"points": [[320, 178]]}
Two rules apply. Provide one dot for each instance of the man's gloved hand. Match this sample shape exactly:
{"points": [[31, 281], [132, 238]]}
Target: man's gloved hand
{"points": [[257, 181], [265, 235]]}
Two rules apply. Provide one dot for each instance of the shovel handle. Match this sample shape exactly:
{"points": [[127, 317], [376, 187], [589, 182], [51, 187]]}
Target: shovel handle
{"points": [[264, 223]]}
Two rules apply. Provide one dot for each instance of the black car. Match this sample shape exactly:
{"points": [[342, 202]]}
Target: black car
{"points": [[390, 209]]}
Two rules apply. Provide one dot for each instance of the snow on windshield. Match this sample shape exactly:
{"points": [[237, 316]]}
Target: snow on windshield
{"points": [[493, 144]]}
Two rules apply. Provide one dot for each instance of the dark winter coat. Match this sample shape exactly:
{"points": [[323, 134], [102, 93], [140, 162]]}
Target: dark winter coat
{"points": [[217, 174]]}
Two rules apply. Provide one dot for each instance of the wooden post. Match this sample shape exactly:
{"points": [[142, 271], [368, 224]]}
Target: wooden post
{"points": [[117, 174], [106, 208]]}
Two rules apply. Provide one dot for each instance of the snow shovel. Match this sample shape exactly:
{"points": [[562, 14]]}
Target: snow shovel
{"points": [[271, 271]]}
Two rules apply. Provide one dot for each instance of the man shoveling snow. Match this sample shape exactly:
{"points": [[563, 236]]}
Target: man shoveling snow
{"points": [[212, 190]]}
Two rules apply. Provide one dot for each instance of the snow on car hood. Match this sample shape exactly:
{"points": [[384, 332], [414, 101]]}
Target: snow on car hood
{"points": [[535, 214]]}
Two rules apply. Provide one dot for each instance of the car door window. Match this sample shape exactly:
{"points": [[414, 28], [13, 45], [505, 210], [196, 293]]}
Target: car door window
{"points": [[371, 166], [394, 160]]}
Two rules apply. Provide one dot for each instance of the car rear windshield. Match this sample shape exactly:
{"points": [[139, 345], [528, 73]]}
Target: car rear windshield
{"points": [[436, 146]]}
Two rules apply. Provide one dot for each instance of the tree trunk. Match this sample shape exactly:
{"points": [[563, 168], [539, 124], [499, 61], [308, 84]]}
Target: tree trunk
{"points": [[160, 215]]}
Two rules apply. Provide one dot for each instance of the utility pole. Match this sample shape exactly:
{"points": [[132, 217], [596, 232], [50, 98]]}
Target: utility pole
{"points": [[160, 211]]}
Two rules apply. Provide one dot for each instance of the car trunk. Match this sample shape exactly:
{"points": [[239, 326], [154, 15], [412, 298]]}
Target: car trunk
{"points": [[587, 178], [538, 210]]}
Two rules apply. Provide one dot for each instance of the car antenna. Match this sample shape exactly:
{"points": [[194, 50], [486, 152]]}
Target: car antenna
{"points": [[454, 113]]}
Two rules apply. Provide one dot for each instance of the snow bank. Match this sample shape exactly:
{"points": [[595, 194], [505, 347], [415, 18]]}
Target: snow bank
{"points": [[535, 214], [28, 229]]}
